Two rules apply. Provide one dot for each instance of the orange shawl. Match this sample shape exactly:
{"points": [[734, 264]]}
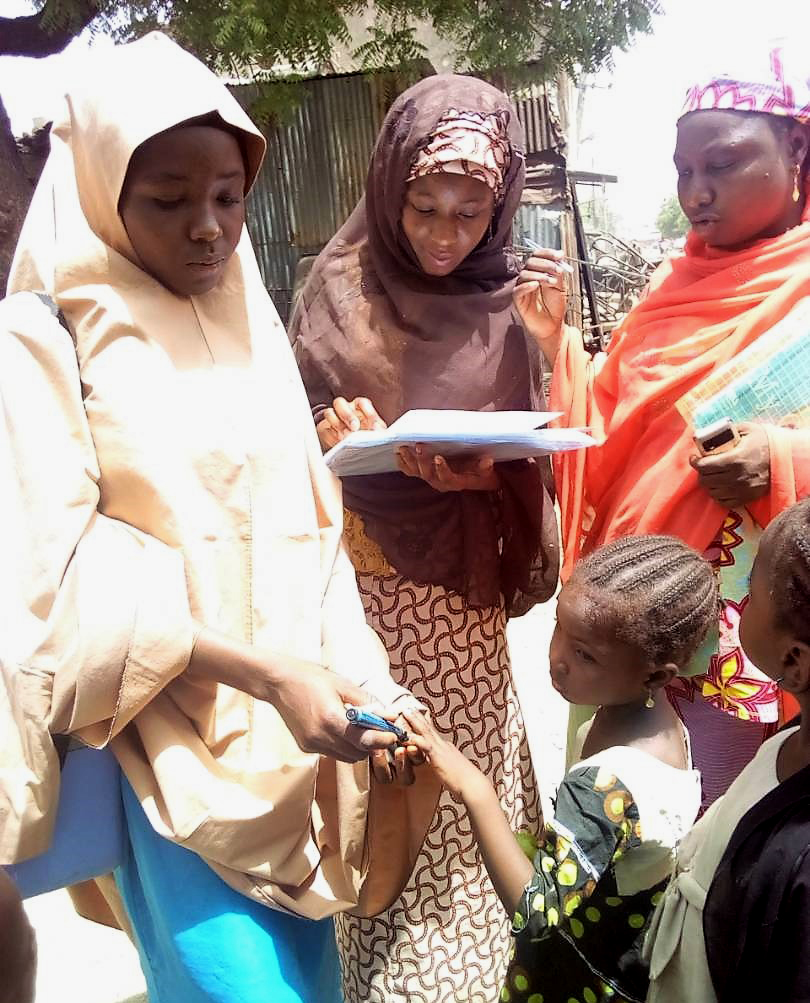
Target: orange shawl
{"points": [[701, 309]]}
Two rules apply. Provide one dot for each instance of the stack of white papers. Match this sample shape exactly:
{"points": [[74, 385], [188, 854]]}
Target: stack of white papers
{"points": [[503, 435]]}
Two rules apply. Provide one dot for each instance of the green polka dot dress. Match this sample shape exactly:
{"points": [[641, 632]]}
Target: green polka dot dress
{"points": [[578, 937]]}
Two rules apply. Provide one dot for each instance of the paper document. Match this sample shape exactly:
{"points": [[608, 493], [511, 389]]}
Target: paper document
{"points": [[503, 435]]}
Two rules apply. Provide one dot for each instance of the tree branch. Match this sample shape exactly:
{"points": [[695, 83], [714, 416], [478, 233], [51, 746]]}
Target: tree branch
{"points": [[26, 36]]}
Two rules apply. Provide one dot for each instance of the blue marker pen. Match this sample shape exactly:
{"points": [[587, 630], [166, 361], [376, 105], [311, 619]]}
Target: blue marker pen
{"points": [[365, 719]]}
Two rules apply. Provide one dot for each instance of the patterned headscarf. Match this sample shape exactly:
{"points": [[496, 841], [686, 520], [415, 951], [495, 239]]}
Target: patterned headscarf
{"points": [[776, 85], [466, 142]]}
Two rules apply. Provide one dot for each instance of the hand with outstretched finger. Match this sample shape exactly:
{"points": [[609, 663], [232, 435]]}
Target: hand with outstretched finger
{"points": [[452, 767], [394, 765]]}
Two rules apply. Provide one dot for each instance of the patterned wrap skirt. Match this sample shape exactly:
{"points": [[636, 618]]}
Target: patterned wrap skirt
{"points": [[447, 937]]}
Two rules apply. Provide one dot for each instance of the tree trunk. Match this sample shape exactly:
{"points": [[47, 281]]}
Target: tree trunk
{"points": [[15, 194]]}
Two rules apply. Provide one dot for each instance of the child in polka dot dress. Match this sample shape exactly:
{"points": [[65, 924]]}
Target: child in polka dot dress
{"points": [[582, 894]]}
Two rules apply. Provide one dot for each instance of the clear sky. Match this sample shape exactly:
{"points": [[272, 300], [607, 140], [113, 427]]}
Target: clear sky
{"points": [[629, 119]]}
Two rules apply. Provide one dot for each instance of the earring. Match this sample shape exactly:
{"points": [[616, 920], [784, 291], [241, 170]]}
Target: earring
{"points": [[649, 703], [779, 681], [796, 192]]}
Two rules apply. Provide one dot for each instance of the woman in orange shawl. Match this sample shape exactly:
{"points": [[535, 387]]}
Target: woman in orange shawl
{"points": [[741, 157]]}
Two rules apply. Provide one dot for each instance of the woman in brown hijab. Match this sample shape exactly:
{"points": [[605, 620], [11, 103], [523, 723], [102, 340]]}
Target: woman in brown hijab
{"points": [[410, 306]]}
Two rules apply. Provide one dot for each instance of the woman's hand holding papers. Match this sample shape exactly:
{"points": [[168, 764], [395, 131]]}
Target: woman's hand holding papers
{"points": [[345, 417], [469, 473]]}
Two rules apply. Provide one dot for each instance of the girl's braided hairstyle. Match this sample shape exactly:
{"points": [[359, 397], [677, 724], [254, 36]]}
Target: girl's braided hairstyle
{"points": [[789, 571], [658, 594]]}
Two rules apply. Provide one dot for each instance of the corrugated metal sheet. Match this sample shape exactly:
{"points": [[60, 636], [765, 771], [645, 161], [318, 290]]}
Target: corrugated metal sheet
{"points": [[538, 121], [535, 225], [313, 174], [316, 165]]}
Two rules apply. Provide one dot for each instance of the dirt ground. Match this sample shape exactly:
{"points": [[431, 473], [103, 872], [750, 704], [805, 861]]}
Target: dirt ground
{"points": [[81, 962]]}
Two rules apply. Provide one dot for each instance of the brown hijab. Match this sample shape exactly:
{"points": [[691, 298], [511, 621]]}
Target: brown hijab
{"points": [[371, 323]]}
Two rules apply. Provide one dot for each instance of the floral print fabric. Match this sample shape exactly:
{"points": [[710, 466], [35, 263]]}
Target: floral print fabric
{"points": [[720, 673]]}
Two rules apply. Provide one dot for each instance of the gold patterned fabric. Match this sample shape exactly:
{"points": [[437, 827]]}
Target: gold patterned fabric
{"points": [[446, 938], [365, 554]]}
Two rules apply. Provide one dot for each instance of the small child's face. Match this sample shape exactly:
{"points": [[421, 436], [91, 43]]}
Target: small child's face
{"points": [[588, 663], [183, 206]]}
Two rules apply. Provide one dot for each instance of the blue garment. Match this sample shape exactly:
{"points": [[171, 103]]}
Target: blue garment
{"points": [[202, 942]]}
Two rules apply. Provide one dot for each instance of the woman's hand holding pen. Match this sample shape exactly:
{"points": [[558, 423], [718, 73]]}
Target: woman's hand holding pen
{"points": [[394, 764], [345, 417], [311, 700], [540, 297]]}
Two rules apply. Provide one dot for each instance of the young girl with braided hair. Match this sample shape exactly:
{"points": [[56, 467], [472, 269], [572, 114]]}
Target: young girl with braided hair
{"points": [[630, 617], [734, 922]]}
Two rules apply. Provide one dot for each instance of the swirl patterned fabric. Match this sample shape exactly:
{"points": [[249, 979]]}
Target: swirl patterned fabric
{"points": [[447, 937]]}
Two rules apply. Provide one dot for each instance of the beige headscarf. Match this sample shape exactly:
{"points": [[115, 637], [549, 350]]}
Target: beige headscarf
{"points": [[162, 471]]}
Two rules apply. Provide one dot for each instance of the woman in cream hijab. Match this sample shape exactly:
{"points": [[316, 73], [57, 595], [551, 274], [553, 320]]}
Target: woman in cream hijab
{"points": [[174, 584]]}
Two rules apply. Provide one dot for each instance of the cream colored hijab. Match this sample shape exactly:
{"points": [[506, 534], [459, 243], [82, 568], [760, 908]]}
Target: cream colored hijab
{"points": [[73, 223], [195, 492]]}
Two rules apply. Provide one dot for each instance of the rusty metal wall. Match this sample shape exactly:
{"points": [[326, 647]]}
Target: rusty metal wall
{"points": [[315, 169], [536, 226], [538, 121], [313, 174]]}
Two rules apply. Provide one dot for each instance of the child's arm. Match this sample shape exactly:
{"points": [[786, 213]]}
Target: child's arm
{"points": [[509, 868], [507, 865], [596, 821]]}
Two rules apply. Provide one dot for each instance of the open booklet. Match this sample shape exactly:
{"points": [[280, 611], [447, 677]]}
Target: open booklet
{"points": [[503, 435]]}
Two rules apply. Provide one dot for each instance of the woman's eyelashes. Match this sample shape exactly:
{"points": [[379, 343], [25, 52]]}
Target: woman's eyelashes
{"points": [[686, 172], [429, 211], [167, 204]]}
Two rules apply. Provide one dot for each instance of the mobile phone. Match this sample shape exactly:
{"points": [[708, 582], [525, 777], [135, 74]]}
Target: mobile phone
{"points": [[718, 437], [365, 719]]}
